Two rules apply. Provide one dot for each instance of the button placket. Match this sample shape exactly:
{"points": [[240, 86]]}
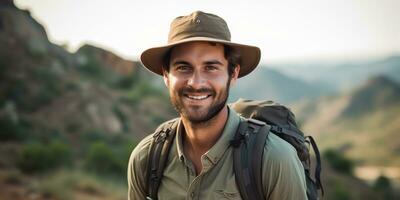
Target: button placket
{"points": [[194, 187], [192, 195]]}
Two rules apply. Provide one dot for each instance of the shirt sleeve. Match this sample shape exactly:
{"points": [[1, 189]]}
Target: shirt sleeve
{"points": [[137, 167], [283, 173]]}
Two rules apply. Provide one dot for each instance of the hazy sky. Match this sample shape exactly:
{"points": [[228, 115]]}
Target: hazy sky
{"points": [[284, 29]]}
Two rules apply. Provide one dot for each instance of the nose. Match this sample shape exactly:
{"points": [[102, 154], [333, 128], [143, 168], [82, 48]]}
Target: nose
{"points": [[196, 80]]}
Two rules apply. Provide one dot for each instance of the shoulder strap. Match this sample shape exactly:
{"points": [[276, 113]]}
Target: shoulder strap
{"points": [[317, 174], [248, 146], [158, 157]]}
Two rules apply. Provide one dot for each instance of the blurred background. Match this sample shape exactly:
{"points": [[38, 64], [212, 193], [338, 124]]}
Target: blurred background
{"points": [[75, 100]]}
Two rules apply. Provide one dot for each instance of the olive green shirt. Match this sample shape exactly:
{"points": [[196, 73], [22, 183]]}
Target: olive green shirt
{"points": [[282, 172]]}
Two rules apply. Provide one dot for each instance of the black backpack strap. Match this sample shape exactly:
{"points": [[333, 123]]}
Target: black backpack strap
{"points": [[286, 130], [158, 157], [248, 146], [317, 175]]}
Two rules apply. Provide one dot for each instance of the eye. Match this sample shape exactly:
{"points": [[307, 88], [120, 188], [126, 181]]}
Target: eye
{"points": [[182, 68], [211, 68]]}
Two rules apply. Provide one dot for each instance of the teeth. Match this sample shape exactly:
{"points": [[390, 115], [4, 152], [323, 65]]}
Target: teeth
{"points": [[198, 97]]}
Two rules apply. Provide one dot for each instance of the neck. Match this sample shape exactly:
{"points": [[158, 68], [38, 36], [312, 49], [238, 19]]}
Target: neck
{"points": [[199, 138]]}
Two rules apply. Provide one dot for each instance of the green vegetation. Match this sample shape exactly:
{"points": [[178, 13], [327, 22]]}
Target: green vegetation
{"points": [[339, 162], [69, 156], [108, 159], [37, 48], [340, 192], [48, 87], [100, 158], [36, 157], [65, 184], [126, 82], [92, 68], [141, 91], [16, 92], [121, 116], [383, 187], [12, 130]]}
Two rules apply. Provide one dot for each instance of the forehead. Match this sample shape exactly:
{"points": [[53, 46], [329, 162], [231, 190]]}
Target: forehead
{"points": [[198, 49]]}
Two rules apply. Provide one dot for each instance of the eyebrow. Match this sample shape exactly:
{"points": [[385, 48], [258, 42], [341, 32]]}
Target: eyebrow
{"points": [[211, 62], [180, 62]]}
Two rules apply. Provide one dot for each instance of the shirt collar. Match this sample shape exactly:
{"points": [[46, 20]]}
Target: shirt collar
{"points": [[216, 151]]}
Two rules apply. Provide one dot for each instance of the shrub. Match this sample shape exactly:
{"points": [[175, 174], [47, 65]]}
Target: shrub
{"points": [[340, 192], [100, 158], [94, 135], [141, 90], [60, 154], [49, 87], [125, 82], [339, 162], [11, 130], [17, 92], [123, 157], [104, 159], [383, 187], [37, 157]]}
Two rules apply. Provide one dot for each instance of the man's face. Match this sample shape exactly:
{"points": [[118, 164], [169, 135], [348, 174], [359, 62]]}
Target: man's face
{"points": [[198, 80]]}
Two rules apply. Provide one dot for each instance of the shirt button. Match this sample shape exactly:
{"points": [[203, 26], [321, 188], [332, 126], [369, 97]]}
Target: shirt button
{"points": [[192, 194]]}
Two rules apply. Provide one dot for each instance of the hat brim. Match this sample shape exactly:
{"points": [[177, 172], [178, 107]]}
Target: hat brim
{"points": [[152, 58]]}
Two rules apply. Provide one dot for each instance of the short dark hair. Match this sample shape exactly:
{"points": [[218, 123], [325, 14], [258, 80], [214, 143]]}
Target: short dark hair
{"points": [[231, 55]]}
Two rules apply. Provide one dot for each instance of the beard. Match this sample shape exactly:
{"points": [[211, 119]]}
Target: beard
{"points": [[198, 114]]}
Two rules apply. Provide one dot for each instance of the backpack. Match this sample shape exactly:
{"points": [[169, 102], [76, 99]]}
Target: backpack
{"points": [[261, 118]]}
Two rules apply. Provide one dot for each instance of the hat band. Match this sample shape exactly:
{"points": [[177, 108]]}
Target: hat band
{"points": [[189, 33]]}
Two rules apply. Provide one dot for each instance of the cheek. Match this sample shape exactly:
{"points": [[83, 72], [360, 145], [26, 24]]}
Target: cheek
{"points": [[174, 82], [221, 82]]}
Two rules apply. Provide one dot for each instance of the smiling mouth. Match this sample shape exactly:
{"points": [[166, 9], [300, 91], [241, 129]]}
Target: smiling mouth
{"points": [[197, 97]]}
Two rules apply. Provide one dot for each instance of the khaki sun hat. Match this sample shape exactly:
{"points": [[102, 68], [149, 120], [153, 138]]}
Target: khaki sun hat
{"points": [[200, 26]]}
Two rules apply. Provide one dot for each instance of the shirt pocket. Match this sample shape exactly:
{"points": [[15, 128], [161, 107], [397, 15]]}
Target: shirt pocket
{"points": [[227, 194]]}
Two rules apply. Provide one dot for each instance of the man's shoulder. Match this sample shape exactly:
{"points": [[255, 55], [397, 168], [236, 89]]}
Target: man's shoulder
{"points": [[141, 151], [282, 170], [278, 149]]}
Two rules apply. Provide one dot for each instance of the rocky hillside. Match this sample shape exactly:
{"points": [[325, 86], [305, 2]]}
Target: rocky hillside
{"points": [[92, 89], [68, 121], [363, 122], [377, 93]]}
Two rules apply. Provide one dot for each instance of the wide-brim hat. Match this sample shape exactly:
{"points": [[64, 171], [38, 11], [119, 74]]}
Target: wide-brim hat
{"points": [[201, 26]]}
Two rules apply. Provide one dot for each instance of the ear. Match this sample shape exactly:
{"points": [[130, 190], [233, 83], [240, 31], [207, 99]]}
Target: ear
{"points": [[235, 75], [166, 78]]}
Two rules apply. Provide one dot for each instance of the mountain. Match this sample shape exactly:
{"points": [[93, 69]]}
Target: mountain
{"points": [[65, 113], [344, 75], [266, 83], [363, 122], [91, 89], [377, 93], [68, 121]]}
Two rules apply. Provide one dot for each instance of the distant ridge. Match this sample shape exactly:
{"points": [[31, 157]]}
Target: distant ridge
{"points": [[377, 93], [266, 83], [366, 121]]}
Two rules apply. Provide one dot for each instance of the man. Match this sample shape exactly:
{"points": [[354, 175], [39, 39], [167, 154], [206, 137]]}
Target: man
{"points": [[199, 65]]}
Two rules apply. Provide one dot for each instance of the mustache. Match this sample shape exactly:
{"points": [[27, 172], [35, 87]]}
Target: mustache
{"points": [[193, 90]]}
